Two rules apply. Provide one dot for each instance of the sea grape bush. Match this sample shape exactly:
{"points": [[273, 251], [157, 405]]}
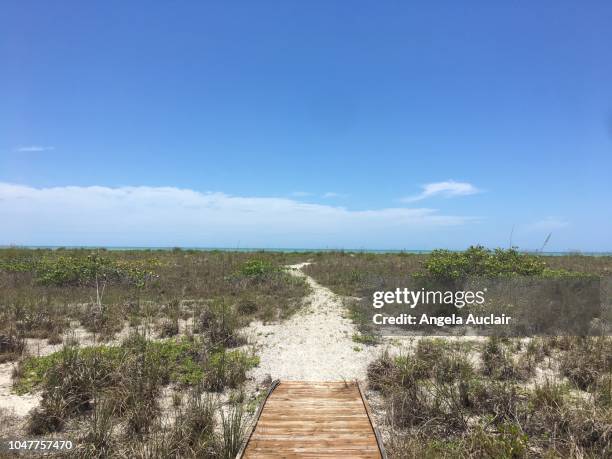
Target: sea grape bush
{"points": [[69, 270], [257, 268], [481, 262]]}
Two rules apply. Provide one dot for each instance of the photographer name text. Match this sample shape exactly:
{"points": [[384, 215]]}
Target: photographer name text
{"points": [[413, 298]]}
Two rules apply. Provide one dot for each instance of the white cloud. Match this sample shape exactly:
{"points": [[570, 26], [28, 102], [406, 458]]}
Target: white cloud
{"points": [[34, 149], [159, 216], [446, 189]]}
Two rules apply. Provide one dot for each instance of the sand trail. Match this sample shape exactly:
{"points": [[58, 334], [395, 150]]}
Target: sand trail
{"points": [[315, 344]]}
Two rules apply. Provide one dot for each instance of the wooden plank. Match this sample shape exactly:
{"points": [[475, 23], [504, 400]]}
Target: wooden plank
{"points": [[313, 419], [371, 419], [273, 386]]}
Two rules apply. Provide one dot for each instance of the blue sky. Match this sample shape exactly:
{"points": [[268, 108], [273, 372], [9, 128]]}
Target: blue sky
{"points": [[306, 124]]}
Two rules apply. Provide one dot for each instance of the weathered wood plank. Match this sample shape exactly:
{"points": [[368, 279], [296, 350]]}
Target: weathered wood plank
{"points": [[313, 419]]}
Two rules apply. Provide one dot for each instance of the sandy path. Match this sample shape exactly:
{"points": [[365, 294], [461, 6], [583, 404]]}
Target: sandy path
{"points": [[315, 344]]}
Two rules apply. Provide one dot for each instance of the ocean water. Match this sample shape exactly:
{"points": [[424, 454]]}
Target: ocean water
{"points": [[298, 250]]}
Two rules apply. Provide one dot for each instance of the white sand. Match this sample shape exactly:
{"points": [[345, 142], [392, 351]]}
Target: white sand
{"points": [[20, 405], [315, 344]]}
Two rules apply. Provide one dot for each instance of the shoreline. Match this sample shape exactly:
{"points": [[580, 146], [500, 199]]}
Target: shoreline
{"points": [[286, 250]]}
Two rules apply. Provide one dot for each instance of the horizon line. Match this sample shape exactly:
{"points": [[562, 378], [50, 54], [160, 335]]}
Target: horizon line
{"points": [[287, 249]]}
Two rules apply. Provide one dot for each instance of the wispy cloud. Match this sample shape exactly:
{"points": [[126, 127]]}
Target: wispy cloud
{"points": [[34, 148], [174, 216], [300, 194], [332, 194], [447, 189], [547, 224]]}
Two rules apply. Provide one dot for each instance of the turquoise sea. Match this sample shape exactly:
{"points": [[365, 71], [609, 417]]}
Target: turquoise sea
{"points": [[298, 250]]}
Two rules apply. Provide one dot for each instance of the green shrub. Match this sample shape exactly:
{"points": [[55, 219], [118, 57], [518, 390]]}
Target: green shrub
{"points": [[233, 428], [176, 359], [66, 270], [481, 262], [497, 360], [257, 268], [227, 369], [548, 395], [129, 376], [509, 442], [501, 400], [441, 360], [194, 426], [381, 373], [451, 368], [69, 382], [220, 323]]}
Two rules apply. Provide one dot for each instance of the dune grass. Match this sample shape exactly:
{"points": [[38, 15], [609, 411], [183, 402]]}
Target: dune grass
{"points": [[109, 398], [504, 398], [442, 399], [44, 290], [439, 403]]}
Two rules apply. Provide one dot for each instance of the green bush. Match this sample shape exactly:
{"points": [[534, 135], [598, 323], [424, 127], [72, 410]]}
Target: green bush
{"points": [[181, 361], [227, 369], [510, 442], [481, 262], [497, 360], [194, 427], [220, 323], [70, 381], [233, 427], [257, 268], [72, 270]]}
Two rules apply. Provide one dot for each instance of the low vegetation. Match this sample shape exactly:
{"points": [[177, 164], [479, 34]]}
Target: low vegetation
{"points": [[164, 368], [350, 274], [185, 361], [501, 398], [43, 291], [356, 274], [110, 396], [441, 403], [171, 384]]}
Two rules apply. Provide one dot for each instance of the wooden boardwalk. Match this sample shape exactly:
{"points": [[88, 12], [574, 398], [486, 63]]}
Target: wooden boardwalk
{"points": [[313, 419]]}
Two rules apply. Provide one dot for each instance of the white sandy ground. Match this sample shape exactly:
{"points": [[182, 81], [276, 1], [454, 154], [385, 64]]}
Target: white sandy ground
{"points": [[315, 344], [11, 403]]}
